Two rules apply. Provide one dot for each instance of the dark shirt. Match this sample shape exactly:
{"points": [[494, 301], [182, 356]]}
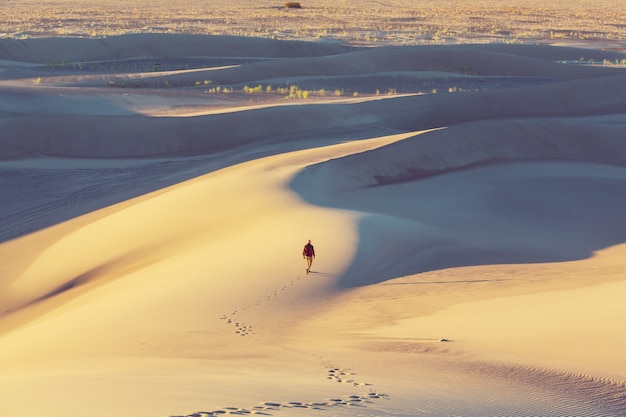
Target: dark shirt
{"points": [[308, 250]]}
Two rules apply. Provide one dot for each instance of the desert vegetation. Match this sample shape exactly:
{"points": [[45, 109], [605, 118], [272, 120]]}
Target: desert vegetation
{"points": [[296, 92], [394, 22]]}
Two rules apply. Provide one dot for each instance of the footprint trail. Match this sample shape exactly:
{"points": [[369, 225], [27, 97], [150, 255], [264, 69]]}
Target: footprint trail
{"points": [[244, 329], [367, 395], [270, 408]]}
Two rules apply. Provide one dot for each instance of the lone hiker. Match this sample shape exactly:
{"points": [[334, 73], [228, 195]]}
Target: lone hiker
{"points": [[308, 253]]}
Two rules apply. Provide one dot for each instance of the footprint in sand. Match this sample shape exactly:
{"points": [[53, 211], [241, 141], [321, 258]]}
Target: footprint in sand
{"points": [[240, 328], [245, 330], [344, 376], [270, 408], [339, 375]]}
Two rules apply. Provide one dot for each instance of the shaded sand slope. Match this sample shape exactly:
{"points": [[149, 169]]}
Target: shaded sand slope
{"points": [[43, 50], [122, 135], [140, 136], [475, 60], [506, 213], [465, 145]]}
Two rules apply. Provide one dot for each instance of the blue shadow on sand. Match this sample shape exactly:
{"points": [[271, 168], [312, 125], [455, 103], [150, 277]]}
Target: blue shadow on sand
{"points": [[567, 215]]}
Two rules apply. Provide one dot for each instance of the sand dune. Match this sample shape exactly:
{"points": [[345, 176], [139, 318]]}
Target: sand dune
{"points": [[42, 50], [468, 226], [478, 60], [138, 136], [135, 136]]}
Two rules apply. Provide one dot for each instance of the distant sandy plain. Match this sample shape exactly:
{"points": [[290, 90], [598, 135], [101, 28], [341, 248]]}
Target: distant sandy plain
{"points": [[368, 21], [459, 166]]}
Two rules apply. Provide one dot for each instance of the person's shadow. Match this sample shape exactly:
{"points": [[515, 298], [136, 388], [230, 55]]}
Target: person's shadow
{"points": [[324, 274]]}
